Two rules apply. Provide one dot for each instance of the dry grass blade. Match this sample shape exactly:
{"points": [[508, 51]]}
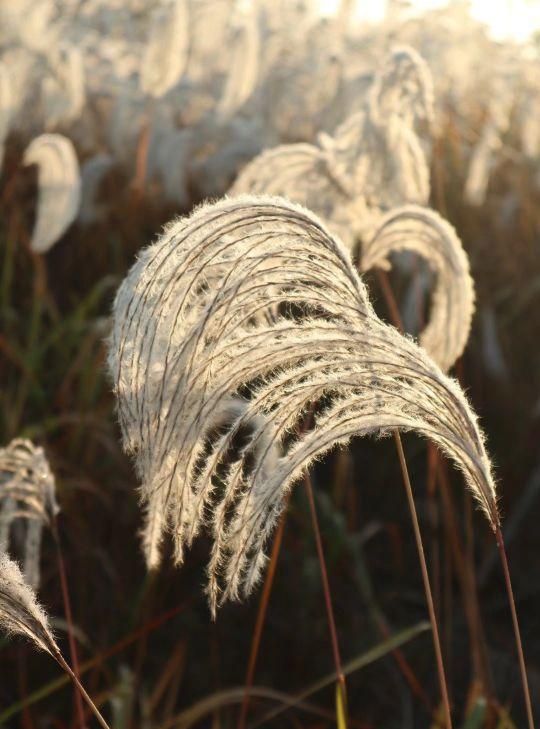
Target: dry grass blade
{"points": [[424, 232], [226, 331], [27, 493], [59, 188]]}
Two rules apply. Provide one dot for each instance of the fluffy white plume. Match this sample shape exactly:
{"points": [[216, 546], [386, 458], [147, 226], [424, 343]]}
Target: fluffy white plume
{"points": [[27, 494], [424, 232], [372, 163], [20, 613], [63, 89], [490, 142], [235, 323], [166, 54], [59, 188], [244, 64]]}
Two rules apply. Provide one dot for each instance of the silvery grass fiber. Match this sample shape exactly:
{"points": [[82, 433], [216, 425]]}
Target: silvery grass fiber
{"points": [[27, 498], [424, 232], [20, 613], [373, 161], [239, 320]]}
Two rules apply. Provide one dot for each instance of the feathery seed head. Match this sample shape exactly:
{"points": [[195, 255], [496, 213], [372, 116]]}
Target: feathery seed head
{"points": [[20, 613], [59, 188], [27, 494], [227, 330]]}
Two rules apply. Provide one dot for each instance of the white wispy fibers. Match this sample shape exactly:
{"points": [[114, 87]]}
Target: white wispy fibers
{"points": [[20, 613], [59, 188], [243, 68], [426, 233], [166, 54], [6, 107], [227, 331], [63, 88], [372, 163], [490, 142], [404, 87], [28, 498]]}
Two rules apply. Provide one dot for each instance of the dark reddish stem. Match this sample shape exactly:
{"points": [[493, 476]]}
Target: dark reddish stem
{"points": [[425, 578], [69, 619], [261, 617], [326, 584], [515, 622]]}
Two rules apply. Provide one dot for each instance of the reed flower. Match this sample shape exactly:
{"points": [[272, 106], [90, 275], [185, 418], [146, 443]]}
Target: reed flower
{"points": [[238, 321], [373, 162], [424, 232], [27, 499], [59, 188]]}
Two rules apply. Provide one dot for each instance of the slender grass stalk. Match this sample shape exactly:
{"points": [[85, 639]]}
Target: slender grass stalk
{"points": [[58, 683], [427, 585], [396, 318], [467, 582], [60, 659], [326, 585], [141, 159], [21, 614], [69, 619], [515, 623], [261, 617]]}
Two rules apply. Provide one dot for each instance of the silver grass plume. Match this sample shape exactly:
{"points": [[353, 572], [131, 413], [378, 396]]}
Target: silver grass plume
{"points": [[226, 332], [63, 89], [167, 51], [425, 233], [372, 163], [403, 228], [20, 613], [243, 68], [484, 154], [59, 188], [28, 496], [305, 174], [404, 87]]}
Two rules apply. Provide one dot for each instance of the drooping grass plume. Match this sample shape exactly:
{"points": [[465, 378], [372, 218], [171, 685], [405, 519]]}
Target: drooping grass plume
{"points": [[21, 614], [227, 330], [243, 69], [63, 88], [490, 142], [59, 188], [27, 496], [426, 233], [372, 163], [166, 55]]}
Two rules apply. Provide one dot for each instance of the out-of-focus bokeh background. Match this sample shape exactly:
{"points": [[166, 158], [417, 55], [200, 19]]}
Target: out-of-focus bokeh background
{"points": [[163, 104]]}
